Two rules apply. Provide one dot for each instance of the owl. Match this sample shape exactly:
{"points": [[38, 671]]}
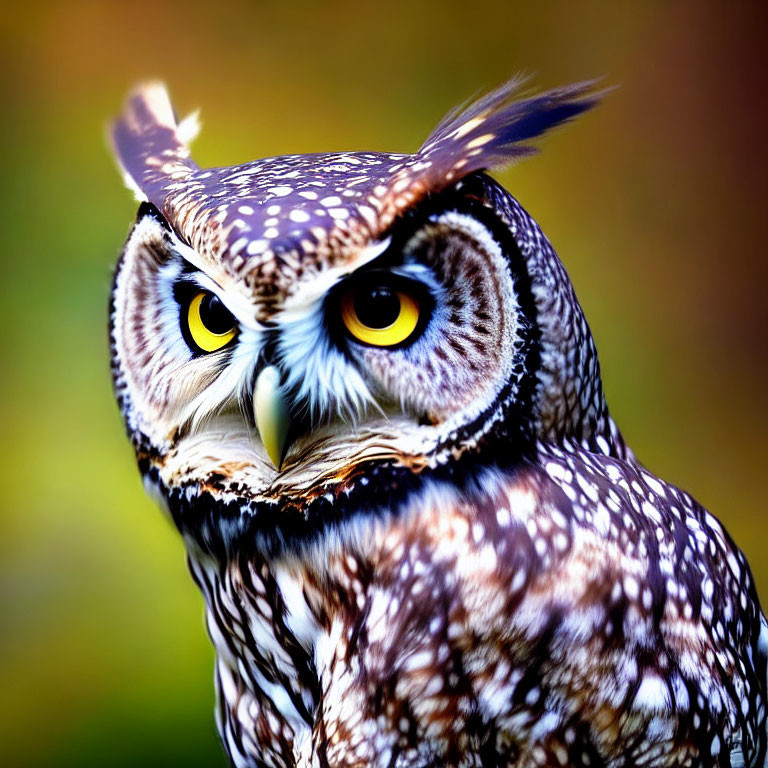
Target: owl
{"points": [[362, 387]]}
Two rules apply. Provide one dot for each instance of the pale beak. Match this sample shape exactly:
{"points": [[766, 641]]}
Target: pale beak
{"points": [[270, 409]]}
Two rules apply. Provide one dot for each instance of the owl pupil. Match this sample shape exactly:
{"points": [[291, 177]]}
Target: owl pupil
{"points": [[214, 315], [377, 307]]}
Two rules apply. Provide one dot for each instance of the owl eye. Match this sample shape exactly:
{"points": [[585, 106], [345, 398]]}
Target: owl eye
{"points": [[210, 324], [379, 315]]}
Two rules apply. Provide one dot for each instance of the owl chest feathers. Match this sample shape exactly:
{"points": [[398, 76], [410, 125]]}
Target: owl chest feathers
{"points": [[526, 607]]}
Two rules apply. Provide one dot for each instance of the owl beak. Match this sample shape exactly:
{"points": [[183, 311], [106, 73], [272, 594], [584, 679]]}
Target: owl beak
{"points": [[270, 410]]}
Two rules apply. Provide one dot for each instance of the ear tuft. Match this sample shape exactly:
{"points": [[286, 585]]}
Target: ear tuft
{"points": [[151, 146], [495, 130]]}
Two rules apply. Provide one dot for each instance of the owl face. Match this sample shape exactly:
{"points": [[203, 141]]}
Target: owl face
{"points": [[388, 358], [290, 330]]}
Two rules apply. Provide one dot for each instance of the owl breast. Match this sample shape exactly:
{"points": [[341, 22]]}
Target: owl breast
{"points": [[574, 614]]}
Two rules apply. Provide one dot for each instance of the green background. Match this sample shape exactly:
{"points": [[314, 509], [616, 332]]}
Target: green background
{"points": [[656, 202]]}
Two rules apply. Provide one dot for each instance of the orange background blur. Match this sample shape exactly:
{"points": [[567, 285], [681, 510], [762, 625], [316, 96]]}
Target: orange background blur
{"points": [[656, 202]]}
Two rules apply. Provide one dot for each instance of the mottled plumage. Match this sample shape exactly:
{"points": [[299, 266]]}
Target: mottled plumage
{"points": [[363, 388]]}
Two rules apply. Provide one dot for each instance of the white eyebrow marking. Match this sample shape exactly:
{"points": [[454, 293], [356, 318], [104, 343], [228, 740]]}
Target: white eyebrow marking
{"points": [[311, 291]]}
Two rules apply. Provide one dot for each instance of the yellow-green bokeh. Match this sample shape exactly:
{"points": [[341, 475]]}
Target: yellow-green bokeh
{"points": [[655, 202]]}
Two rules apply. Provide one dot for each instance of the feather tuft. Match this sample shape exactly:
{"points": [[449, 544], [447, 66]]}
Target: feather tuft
{"points": [[151, 146], [495, 130]]}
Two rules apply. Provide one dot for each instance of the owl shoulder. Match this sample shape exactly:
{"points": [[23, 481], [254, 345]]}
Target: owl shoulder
{"points": [[581, 549]]}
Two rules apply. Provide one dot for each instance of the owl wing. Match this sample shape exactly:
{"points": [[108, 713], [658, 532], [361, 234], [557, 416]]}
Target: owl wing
{"points": [[577, 611]]}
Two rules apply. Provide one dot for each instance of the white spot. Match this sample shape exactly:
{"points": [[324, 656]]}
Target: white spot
{"points": [[467, 127], [280, 191], [454, 630], [556, 471], [298, 216], [518, 580], [434, 686], [651, 512], [257, 246], [367, 213], [419, 660], [480, 141], [655, 485], [589, 489], [682, 700], [653, 694], [238, 245], [631, 587], [602, 444], [400, 185]]}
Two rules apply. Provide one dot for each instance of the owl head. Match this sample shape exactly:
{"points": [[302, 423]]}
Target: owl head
{"points": [[302, 336]]}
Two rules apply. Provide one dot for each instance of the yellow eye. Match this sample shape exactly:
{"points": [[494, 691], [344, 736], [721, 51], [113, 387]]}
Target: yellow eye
{"points": [[379, 315], [211, 325]]}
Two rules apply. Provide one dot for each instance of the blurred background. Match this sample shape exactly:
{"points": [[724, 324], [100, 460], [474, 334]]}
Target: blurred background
{"points": [[656, 203]]}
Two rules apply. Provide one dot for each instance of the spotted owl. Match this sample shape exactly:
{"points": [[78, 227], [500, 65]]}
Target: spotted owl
{"points": [[363, 389]]}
